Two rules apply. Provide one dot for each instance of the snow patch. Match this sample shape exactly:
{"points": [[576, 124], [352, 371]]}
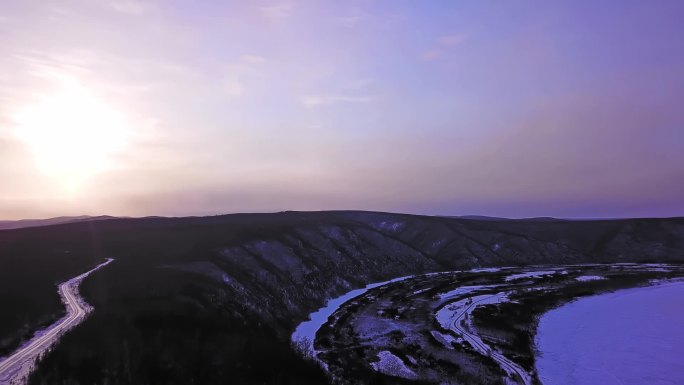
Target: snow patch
{"points": [[392, 365], [586, 278], [530, 274], [630, 336], [446, 340], [462, 290], [421, 291], [393, 226], [306, 331]]}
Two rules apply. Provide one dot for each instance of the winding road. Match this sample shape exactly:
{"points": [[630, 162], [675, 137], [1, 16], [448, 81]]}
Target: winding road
{"points": [[422, 321], [15, 368], [476, 342]]}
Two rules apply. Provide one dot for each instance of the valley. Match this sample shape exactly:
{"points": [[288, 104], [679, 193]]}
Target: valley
{"points": [[215, 299], [471, 327], [15, 368]]}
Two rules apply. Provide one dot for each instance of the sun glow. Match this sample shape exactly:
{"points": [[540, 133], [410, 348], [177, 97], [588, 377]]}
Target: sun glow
{"points": [[72, 133]]}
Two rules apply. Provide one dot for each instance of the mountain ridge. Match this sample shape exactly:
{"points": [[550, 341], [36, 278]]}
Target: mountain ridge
{"points": [[25, 223], [269, 270]]}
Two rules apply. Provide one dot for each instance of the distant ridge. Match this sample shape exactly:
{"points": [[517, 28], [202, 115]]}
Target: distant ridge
{"points": [[24, 223], [486, 218], [480, 218]]}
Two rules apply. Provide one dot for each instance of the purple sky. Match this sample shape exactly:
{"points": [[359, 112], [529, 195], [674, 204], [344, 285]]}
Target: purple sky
{"points": [[525, 108]]}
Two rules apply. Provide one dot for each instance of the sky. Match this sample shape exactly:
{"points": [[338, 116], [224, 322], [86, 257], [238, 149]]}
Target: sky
{"points": [[571, 109]]}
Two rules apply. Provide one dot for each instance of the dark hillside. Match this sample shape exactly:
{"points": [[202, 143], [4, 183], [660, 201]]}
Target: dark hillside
{"points": [[215, 298]]}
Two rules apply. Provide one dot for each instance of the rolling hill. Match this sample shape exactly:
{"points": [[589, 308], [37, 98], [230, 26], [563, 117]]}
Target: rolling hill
{"points": [[214, 299]]}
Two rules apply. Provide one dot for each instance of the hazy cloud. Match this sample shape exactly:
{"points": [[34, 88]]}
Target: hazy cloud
{"points": [[358, 84], [253, 59], [130, 7], [277, 10], [451, 40], [432, 54], [322, 100], [555, 110], [442, 46], [234, 88], [349, 21]]}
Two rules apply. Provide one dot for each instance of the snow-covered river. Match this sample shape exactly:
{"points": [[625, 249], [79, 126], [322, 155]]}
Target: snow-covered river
{"points": [[632, 336], [307, 329]]}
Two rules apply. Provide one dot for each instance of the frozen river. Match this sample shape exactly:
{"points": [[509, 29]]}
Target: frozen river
{"points": [[307, 329], [632, 336]]}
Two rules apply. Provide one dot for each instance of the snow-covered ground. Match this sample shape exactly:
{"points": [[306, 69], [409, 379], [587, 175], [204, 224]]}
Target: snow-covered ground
{"points": [[15, 368], [456, 317], [306, 331], [463, 290], [629, 337], [586, 278], [446, 340], [392, 365], [530, 274]]}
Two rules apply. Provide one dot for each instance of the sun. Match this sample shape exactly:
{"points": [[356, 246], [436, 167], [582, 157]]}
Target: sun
{"points": [[72, 133]]}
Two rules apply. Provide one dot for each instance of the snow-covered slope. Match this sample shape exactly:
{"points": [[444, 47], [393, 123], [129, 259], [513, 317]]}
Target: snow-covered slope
{"points": [[632, 336]]}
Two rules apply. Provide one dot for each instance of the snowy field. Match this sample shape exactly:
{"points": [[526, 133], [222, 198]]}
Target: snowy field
{"points": [[421, 328], [629, 337], [306, 331]]}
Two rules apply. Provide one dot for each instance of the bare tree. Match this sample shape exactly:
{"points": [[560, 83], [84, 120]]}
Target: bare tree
{"points": [[304, 346]]}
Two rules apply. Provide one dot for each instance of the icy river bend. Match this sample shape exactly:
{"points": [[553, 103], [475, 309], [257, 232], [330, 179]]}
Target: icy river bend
{"points": [[470, 327], [632, 336]]}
